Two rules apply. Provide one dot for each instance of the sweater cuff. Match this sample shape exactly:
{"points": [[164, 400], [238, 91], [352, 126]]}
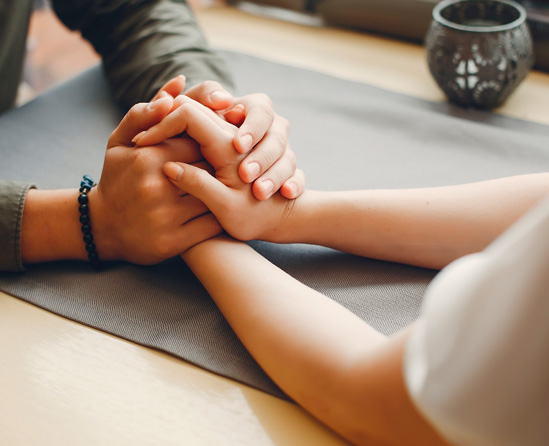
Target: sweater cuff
{"points": [[12, 203]]}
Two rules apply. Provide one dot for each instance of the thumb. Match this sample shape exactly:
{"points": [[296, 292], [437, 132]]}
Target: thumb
{"points": [[173, 87], [198, 183], [139, 118]]}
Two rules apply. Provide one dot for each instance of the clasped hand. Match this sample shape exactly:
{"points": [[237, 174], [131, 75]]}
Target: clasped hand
{"points": [[229, 198], [142, 217]]}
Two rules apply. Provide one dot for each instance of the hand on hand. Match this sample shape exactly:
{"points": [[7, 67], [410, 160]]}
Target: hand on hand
{"points": [[137, 214], [227, 196], [270, 163]]}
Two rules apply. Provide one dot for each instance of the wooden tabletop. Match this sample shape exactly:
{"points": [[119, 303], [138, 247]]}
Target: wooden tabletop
{"points": [[62, 383]]}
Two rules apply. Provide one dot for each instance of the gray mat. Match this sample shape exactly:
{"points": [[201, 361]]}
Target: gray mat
{"points": [[346, 136]]}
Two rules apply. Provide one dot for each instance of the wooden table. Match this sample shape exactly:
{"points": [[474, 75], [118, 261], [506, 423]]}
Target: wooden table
{"points": [[62, 383]]}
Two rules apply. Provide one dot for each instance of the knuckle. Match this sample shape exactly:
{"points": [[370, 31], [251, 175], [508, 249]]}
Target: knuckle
{"points": [[283, 123], [135, 111], [291, 159], [301, 177], [142, 159], [196, 180], [185, 108], [163, 247], [280, 142], [266, 110], [151, 189], [264, 100]]}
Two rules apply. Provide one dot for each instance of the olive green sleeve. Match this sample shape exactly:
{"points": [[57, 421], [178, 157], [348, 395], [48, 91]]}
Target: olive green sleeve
{"points": [[12, 201], [144, 43]]}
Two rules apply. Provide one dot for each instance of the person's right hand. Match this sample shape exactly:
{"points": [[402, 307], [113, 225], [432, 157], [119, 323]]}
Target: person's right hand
{"points": [[136, 213]]}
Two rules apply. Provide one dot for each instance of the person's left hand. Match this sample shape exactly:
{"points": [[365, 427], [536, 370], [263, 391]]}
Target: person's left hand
{"points": [[227, 196], [262, 134]]}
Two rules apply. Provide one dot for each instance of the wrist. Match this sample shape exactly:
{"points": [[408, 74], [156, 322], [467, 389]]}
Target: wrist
{"points": [[103, 227], [50, 228], [295, 225], [205, 246]]}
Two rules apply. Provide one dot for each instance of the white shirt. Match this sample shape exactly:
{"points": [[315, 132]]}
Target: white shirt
{"points": [[477, 367]]}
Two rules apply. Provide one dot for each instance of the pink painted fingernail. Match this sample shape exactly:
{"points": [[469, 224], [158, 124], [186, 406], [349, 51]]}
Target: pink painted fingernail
{"points": [[246, 142], [137, 137], [267, 187], [292, 189], [253, 170], [219, 96]]}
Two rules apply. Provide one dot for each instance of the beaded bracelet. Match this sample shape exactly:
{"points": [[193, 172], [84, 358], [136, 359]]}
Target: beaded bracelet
{"points": [[85, 186]]}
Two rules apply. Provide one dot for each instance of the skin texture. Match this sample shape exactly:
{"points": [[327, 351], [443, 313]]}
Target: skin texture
{"points": [[332, 363], [424, 227], [303, 340], [262, 135], [134, 197], [328, 360]]}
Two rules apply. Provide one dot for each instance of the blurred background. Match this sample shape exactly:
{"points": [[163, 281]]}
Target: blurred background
{"points": [[54, 53]]}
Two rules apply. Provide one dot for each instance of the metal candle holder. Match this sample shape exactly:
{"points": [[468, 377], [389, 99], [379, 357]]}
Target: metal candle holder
{"points": [[479, 51]]}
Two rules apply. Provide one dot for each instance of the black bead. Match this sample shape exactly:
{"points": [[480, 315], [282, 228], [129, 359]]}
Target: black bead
{"points": [[85, 186], [83, 198]]}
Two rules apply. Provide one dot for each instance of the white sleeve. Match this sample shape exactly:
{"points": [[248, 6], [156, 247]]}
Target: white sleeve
{"points": [[477, 367]]}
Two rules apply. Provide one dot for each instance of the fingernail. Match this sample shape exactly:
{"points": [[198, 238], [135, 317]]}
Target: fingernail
{"points": [[137, 137], [246, 142], [267, 187], [253, 170], [220, 95], [155, 104], [292, 189], [173, 170]]}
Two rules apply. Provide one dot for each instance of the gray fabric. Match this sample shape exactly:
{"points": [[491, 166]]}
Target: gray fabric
{"points": [[14, 23], [346, 136], [143, 44], [12, 197]]}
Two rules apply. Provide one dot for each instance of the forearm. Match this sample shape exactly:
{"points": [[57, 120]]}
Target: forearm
{"points": [[144, 43], [50, 227], [426, 227], [323, 356]]}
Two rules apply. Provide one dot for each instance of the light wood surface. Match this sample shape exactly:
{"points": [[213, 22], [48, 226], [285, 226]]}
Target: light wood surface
{"points": [[62, 383], [387, 63]]}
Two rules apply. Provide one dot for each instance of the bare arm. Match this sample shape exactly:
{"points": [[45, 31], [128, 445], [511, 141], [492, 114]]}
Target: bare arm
{"points": [[425, 227], [133, 199], [331, 362], [428, 227]]}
